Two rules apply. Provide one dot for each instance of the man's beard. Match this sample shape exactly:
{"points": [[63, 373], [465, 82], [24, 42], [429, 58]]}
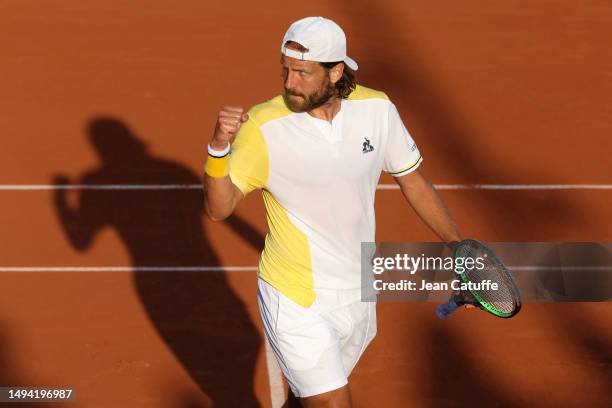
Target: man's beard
{"points": [[305, 103]]}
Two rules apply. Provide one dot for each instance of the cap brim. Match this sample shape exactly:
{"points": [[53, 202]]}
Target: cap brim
{"points": [[351, 63]]}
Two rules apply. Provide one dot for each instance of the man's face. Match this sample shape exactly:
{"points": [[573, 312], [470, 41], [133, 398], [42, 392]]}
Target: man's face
{"points": [[307, 84]]}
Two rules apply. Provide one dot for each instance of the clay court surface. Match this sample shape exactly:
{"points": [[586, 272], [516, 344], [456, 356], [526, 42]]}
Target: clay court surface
{"points": [[510, 92]]}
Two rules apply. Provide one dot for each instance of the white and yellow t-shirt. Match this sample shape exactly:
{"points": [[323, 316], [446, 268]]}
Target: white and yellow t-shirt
{"points": [[318, 181]]}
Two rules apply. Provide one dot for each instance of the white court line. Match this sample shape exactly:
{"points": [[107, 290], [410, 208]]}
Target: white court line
{"points": [[128, 268], [129, 187], [35, 187], [275, 378], [522, 268], [559, 268], [509, 186]]}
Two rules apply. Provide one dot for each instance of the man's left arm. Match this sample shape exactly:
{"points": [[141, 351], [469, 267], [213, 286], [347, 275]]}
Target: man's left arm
{"points": [[428, 205]]}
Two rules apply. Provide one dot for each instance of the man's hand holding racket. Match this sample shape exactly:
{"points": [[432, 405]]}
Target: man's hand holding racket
{"points": [[500, 297]]}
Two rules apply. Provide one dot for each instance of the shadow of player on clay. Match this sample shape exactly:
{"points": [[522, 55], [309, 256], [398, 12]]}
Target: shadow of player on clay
{"points": [[197, 314]]}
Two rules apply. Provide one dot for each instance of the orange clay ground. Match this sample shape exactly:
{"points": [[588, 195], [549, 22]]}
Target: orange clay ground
{"points": [[493, 92]]}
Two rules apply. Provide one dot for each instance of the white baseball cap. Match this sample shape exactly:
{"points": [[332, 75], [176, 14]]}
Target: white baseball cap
{"points": [[324, 39]]}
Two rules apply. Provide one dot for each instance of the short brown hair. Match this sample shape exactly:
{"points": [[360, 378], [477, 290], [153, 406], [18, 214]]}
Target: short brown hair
{"points": [[345, 85]]}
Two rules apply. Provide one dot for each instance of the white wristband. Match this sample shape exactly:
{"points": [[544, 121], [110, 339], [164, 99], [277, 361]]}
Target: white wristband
{"points": [[218, 153]]}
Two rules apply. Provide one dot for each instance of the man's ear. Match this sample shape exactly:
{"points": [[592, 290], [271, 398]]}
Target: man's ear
{"points": [[335, 73]]}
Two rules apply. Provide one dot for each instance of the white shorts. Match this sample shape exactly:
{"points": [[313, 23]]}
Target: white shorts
{"points": [[316, 347]]}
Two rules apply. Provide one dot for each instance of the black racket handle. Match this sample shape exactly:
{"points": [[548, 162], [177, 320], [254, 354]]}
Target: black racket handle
{"points": [[445, 310]]}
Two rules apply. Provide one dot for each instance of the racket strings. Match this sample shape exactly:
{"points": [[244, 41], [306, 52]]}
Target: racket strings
{"points": [[488, 271]]}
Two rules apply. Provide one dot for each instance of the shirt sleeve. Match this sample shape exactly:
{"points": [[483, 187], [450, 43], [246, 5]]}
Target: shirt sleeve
{"points": [[249, 164], [402, 155]]}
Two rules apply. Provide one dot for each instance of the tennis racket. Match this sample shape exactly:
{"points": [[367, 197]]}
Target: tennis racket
{"points": [[477, 282]]}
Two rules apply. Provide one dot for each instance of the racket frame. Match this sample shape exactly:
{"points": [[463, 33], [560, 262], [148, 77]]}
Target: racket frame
{"points": [[480, 302]]}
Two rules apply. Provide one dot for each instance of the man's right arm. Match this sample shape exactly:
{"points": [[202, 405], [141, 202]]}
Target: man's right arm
{"points": [[221, 195]]}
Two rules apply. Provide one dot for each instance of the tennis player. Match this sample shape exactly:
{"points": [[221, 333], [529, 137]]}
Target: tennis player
{"points": [[317, 151]]}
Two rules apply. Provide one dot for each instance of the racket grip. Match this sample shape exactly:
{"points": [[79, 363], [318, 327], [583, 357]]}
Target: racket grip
{"points": [[444, 311]]}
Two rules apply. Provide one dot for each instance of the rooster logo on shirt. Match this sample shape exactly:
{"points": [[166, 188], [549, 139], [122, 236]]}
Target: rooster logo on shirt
{"points": [[367, 147]]}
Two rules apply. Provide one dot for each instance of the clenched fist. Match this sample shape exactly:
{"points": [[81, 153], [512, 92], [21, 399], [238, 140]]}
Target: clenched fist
{"points": [[228, 123]]}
